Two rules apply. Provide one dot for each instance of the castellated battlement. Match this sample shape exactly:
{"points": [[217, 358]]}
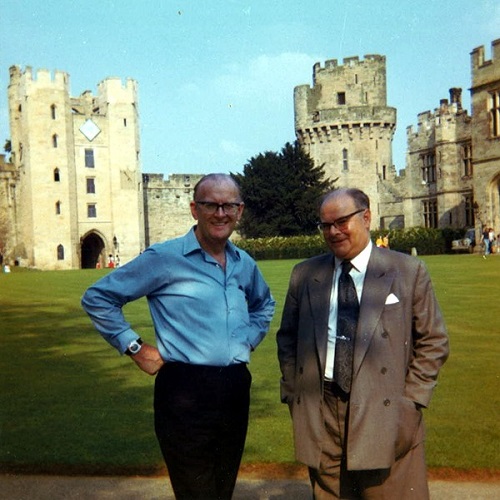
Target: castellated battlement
{"points": [[41, 78], [449, 113], [348, 62], [113, 89], [478, 57], [485, 70]]}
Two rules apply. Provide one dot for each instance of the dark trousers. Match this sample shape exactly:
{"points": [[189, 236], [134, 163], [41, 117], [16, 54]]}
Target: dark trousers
{"points": [[201, 420]]}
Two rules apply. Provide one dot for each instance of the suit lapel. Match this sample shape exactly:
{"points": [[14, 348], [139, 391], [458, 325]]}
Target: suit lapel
{"points": [[376, 287]]}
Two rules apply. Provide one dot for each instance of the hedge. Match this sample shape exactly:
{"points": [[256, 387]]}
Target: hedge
{"points": [[425, 241]]}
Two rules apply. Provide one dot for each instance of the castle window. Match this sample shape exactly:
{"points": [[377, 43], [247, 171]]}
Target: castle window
{"points": [[90, 185], [495, 113], [467, 159], [54, 141], [340, 98], [345, 160], [58, 208], [53, 111], [384, 172], [124, 122], [356, 78], [60, 252], [469, 210], [429, 209], [91, 210], [57, 175], [429, 168], [89, 158]]}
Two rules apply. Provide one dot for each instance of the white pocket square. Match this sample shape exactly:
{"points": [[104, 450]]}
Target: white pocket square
{"points": [[391, 299]]}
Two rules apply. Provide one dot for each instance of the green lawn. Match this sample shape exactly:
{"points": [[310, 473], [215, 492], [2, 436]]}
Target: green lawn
{"points": [[69, 401]]}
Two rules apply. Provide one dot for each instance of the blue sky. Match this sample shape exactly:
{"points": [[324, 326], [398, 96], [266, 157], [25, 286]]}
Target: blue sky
{"points": [[216, 77]]}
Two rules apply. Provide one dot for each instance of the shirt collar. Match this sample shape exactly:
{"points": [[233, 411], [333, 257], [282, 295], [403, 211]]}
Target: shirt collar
{"points": [[360, 262], [191, 245]]}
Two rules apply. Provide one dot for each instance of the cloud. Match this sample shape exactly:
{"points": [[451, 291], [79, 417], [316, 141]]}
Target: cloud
{"points": [[267, 78], [230, 147]]}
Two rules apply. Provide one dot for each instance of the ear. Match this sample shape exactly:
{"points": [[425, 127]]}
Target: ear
{"points": [[194, 213], [367, 218], [240, 211]]}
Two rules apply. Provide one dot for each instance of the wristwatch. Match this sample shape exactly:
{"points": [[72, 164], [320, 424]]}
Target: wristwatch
{"points": [[134, 347]]}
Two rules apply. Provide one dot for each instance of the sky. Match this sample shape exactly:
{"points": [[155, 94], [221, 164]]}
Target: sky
{"points": [[216, 77]]}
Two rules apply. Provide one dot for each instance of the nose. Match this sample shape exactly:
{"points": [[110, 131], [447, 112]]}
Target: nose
{"points": [[334, 230]]}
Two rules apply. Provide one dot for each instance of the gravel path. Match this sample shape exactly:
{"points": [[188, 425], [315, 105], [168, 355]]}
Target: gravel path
{"points": [[37, 487]]}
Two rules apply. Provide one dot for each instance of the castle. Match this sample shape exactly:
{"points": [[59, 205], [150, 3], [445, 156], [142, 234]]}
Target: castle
{"points": [[73, 194]]}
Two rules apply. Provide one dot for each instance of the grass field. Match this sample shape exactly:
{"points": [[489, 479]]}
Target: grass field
{"points": [[69, 402]]}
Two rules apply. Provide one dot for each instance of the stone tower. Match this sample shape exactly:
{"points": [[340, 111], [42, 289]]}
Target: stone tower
{"points": [[79, 185], [485, 100], [439, 171], [343, 122]]}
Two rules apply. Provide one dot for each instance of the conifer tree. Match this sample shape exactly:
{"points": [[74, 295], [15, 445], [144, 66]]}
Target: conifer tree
{"points": [[281, 193]]}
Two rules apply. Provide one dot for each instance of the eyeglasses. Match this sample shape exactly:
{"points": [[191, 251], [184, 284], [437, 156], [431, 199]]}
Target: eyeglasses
{"points": [[210, 207], [340, 223]]}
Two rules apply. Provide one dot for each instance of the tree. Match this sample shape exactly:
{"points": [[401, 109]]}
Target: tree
{"points": [[281, 193]]}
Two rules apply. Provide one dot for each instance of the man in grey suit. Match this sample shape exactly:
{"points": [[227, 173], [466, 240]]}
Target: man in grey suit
{"points": [[361, 437]]}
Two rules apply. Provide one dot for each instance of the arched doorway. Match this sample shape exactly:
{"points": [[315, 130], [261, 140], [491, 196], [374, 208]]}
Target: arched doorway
{"points": [[92, 247]]}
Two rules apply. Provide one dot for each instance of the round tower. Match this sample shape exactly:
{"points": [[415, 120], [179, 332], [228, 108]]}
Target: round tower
{"points": [[343, 122]]}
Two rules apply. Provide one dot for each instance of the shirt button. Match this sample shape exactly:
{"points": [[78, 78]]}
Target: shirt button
{"points": [[385, 335], [387, 402], [383, 371]]}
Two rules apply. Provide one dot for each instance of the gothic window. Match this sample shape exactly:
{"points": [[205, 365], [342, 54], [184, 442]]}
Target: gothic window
{"points": [[429, 209], [89, 158], [341, 98], [429, 168], [60, 252], [91, 210], [54, 141], [345, 160], [467, 159], [58, 208], [495, 113], [53, 111], [57, 175], [90, 185], [469, 210]]}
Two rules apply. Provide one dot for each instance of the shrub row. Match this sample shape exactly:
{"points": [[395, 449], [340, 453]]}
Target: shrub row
{"points": [[426, 241]]}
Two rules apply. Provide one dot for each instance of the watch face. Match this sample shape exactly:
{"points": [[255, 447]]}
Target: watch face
{"points": [[134, 347]]}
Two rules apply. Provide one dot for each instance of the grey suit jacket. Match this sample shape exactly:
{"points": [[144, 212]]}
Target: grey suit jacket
{"points": [[398, 352]]}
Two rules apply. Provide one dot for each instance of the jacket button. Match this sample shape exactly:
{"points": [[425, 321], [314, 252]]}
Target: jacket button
{"points": [[387, 402], [298, 400], [301, 370], [385, 335], [383, 371]]}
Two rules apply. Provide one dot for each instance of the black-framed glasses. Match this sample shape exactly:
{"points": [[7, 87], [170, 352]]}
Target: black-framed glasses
{"points": [[210, 207], [340, 223]]}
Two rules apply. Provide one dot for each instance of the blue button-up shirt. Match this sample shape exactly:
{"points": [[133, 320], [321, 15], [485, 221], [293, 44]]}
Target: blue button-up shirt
{"points": [[202, 314]]}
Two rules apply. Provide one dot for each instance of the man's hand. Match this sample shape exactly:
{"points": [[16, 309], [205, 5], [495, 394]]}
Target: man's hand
{"points": [[148, 359]]}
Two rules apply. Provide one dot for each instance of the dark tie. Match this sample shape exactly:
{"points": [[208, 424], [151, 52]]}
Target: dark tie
{"points": [[347, 321]]}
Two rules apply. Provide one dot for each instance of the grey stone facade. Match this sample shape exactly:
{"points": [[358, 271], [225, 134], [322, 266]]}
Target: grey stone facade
{"points": [[73, 193]]}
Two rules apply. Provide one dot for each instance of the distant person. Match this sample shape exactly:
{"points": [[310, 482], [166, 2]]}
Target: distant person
{"points": [[360, 345], [492, 238], [485, 240], [6, 268], [211, 308]]}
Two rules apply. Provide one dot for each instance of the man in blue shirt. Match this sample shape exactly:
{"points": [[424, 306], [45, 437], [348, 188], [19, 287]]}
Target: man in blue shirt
{"points": [[210, 307]]}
